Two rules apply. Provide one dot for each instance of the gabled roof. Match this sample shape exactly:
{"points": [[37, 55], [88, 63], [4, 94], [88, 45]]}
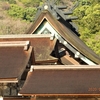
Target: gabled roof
{"points": [[13, 60], [62, 80], [65, 33]]}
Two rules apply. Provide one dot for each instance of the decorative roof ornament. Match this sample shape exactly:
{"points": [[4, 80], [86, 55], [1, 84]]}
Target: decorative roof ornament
{"points": [[61, 12], [45, 7], [58, 11]]}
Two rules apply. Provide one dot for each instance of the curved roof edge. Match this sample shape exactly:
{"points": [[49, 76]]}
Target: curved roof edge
{"points": [[66, 33]]}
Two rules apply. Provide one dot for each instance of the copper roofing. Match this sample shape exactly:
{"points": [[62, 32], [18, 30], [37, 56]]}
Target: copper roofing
{"points": [[66, 33], [63, 81], [42, 45], [13, 61]]}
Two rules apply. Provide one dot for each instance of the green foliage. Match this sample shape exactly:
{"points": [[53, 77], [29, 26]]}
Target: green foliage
{"points": [[29, 12], [16, 11], [22, 13], [89, 23], [31, 3], [94, 43]]}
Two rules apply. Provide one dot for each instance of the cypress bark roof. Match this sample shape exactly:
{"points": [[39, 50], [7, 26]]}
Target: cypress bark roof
{"points": [[62, 81], [65, 33], [13, 61]]}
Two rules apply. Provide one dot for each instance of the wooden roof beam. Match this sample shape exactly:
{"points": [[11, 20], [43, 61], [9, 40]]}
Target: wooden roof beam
{"points": [[64, 67], [61, 7], [24, 36], [13, 80], [68, 13], [71, 18]]}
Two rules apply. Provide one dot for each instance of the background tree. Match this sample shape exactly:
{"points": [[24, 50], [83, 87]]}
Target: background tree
{"points": [[14, 13], [89, 23]]}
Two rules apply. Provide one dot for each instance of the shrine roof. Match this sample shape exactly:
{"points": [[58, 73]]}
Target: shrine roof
{"points": [[42, 45], [66, 34], [61, 80], [14, 57]]}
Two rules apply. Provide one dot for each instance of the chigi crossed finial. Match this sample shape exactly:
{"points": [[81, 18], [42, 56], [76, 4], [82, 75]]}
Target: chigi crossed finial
{"points": [[59, 11]]}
